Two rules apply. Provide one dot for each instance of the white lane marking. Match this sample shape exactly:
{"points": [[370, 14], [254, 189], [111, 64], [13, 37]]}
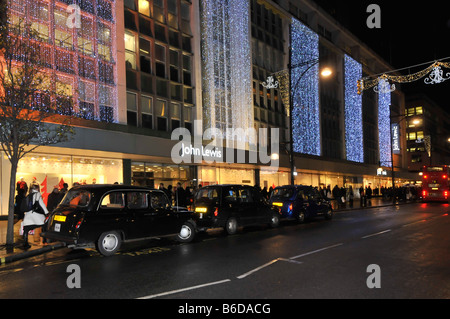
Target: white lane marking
{"points": [[291, 260], [185, 289], [376, 234], [256, 269], [316, 251]]}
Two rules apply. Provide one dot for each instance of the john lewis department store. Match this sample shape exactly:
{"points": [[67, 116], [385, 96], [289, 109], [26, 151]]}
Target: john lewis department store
{"points": [[147, 162], [154, 66]]}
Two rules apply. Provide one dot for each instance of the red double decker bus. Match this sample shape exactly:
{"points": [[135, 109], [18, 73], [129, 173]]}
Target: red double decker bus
{"points": [[435, 183]]}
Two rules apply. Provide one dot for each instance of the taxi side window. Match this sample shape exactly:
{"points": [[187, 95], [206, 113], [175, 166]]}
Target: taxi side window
{"points": [[301, 195], [137, 200], [158, 200], [113, 200], [230, 196], [245, 195]]}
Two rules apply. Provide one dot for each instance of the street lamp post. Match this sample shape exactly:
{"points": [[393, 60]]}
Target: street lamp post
{"points": [[271, 83]]}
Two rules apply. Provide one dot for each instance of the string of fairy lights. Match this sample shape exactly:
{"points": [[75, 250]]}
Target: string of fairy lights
{"points": [[305, 90], [226, 66], [80, 59], [433, 74], [353, 111]]}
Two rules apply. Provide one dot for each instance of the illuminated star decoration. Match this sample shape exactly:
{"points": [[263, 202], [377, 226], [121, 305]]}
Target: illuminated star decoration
{"points": [[305, 90], [384, 125], [353, 111]]}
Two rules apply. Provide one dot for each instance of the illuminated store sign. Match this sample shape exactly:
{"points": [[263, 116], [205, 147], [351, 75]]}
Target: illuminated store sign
{"points": [[395, 138]]}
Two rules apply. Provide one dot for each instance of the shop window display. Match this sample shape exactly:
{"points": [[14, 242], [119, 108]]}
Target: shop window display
{"points": [[55, 170]]}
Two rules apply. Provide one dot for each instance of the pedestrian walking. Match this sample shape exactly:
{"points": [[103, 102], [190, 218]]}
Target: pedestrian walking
{"points": [[34, 218]]}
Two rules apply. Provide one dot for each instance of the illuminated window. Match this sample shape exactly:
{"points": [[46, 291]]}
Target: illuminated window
{"points": [[411, 136], [130, 50], [419, 110], [410, 111], [63, 39], [144, 7]]}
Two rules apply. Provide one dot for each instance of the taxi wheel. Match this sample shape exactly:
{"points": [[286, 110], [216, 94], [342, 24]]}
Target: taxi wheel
{"points": [[301, 217], [109, 243], [231, 226], [275, 221], [187, 233]]}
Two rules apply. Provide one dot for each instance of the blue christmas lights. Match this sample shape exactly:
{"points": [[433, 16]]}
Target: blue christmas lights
{"points": [[353, 111], [384, 124], [305, 90]]}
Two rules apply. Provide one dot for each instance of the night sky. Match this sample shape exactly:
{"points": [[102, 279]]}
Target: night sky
{"points": [[411, 33]]}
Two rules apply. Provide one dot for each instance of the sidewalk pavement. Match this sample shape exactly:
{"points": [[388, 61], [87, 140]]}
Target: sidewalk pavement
{"points": [[18, 252]]}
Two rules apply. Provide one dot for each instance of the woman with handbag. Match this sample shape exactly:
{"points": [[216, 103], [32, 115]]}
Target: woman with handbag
{"points": [[35, 218]]}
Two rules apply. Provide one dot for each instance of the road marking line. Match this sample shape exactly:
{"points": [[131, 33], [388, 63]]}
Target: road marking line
{"points": [[316, 251], [258, 268], [376, 234], [291, 261], [185, 289]]}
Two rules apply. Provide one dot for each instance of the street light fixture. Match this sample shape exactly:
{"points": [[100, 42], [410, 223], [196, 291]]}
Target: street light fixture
{"points": [[326, 72], [272, 84]]}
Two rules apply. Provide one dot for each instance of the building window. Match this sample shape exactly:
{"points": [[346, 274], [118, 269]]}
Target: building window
{"points": [[160, 60], [187, 117], [187, 70], [161, 115], [147, 112], [145, 55], [131, 109], [158, 10], [175, 113], [144, 8], [130, 4], [174, 71], [130, 50]]}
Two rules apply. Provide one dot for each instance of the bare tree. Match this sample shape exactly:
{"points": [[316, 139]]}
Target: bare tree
{"points": [[34, 107]]}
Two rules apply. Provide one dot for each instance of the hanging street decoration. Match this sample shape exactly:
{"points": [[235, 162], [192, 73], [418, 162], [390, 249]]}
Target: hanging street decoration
{"points": [[434, 75]]}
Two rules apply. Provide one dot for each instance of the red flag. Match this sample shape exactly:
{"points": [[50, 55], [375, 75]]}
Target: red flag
{"points": [[61, 184], [44, 190]]}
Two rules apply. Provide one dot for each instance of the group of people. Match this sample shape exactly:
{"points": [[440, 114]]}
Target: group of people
{"points": [[178, 196], [34, 217]]}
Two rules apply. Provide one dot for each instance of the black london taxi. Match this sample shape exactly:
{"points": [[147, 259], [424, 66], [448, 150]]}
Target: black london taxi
{"points": [[300, 202], [231, 206], [104, 216]]}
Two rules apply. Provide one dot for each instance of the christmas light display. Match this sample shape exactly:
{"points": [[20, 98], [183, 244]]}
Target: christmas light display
{"points": [[83, 54], [434, 70], [384, 125], [226, 65], [305, 90], [353, 111]]}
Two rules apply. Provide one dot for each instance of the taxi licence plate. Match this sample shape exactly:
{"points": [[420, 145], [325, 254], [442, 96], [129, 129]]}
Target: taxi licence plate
{"points": [[60, 218]]}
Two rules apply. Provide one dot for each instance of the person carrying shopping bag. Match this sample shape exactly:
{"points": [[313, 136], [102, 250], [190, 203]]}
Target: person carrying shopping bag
{"points": [[34, 217]]}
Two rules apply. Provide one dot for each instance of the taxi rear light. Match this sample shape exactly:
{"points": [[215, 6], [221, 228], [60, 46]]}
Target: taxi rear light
{"points": [[79, 223], [424, 193], [216, 212], [445, 194]]}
